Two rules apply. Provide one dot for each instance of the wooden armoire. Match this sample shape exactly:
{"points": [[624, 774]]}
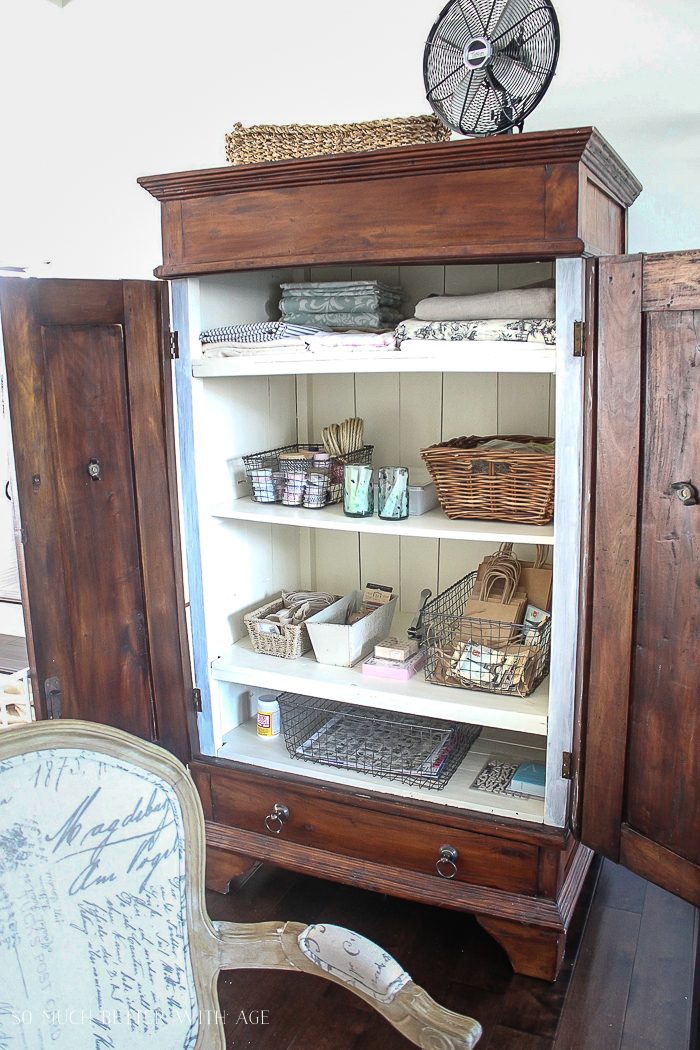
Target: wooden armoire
{"points": [[143, 551]]}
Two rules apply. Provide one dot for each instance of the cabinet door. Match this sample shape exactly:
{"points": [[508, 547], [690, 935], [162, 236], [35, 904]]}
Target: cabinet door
{"points": [[641, 767], [88, 375]]}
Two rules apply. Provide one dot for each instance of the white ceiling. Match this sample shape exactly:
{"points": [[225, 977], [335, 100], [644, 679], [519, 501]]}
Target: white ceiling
{"points": [[105, 90]]}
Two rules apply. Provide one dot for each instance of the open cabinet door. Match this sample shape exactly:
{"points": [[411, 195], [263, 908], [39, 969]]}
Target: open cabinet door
{"points": [[89, 391], [641, 766]]}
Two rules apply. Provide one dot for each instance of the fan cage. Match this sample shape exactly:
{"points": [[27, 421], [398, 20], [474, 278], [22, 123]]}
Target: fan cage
{"points": [[496, 98]]}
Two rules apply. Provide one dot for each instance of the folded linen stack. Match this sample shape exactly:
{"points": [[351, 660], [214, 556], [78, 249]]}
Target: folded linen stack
{"points": [[523, 315], [342, 304], [310, 342]]}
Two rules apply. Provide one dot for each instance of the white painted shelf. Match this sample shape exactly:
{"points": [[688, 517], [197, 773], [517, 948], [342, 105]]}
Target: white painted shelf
{"points": [[433, 525], [242, 744], [469, 357], [523, 714]]}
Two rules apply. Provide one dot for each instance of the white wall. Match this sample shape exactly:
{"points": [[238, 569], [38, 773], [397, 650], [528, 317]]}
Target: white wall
{"points": [[101, 91]]}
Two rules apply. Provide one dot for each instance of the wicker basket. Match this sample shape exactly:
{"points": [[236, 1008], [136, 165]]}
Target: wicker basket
{"points": [[291, 642], [493, 484], [283, 142]]}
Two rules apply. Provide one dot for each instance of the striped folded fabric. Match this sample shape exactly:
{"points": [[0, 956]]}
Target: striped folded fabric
{"points": [[258, 332]]}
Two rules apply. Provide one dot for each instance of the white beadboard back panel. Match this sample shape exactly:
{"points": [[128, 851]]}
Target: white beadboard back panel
{"points": [[378, 402], [523, 404], [243, 298], [380, 560], [469, 405]]}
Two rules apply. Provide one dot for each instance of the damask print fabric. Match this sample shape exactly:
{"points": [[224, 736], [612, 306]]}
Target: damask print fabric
{"points": [[536, 330]]}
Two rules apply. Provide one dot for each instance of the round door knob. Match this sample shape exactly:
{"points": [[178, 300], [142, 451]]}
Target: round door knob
{"points": [[686, 493], [276, 820], [447, 862]]}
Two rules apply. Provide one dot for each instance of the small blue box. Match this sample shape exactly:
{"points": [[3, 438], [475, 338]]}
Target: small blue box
{"points": [[529, 779]]}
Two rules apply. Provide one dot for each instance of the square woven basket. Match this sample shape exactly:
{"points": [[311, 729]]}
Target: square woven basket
{"points": [[290, 643], [265, 142], [493, 484]]}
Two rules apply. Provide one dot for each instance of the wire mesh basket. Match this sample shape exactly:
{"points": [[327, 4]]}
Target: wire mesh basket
{"points": [[486, 655], [300, 475], [423, 752]]}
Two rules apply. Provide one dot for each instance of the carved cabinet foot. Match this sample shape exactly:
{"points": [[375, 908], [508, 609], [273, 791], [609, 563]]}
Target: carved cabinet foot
{"points": [[532, 951], [223, 866]]}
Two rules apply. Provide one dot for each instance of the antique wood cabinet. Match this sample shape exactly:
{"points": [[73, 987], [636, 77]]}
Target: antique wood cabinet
{"points": [[143, 551]]}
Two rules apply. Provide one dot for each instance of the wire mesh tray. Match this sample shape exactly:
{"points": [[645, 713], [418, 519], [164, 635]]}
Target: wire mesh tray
{"points": [[313, 482], [423, 752], [486, 655]]}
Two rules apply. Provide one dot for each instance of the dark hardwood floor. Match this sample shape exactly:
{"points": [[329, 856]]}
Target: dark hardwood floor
{"points": [[630, 988]]}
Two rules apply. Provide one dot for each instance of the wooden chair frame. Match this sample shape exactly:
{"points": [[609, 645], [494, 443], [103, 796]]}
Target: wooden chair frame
{"points": [[217, 946]]}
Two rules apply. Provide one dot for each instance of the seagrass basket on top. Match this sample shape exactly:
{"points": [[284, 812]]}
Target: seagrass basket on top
{"points": [[264, 142], [496, 484]]}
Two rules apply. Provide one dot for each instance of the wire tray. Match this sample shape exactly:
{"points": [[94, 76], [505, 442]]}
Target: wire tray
{"points": [[485, 655], [423, 752], [322, 485]]}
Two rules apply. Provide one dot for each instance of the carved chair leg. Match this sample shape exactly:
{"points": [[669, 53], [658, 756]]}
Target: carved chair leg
{"points": [[222, 867], [354, 962], [532, 950]]}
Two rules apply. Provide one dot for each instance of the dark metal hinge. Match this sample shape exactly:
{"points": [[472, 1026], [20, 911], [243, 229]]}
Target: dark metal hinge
{"points": [[567, 761], [579, 338], [52, 692], [174, 345], [23, 535], [197, 697]]}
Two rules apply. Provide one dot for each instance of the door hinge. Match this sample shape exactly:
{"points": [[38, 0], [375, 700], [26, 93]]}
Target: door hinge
{"points": [[197, 697], [52, 692], [23, 536], [567, 761], [174, 345], [579, 338]]}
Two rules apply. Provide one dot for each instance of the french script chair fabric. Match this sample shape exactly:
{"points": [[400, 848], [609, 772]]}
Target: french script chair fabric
{"points": [[105, 943]]}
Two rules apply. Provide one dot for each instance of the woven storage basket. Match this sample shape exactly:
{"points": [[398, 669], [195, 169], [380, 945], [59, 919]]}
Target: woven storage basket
{"points": [[493, 484], [292, 641], [286, 141]]}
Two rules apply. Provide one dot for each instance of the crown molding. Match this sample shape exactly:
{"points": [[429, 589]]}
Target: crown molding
{"points": [[567, 146]]}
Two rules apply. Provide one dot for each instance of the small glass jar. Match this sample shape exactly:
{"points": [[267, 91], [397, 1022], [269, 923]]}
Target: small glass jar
{"points": [[358, 491], [392, 493], [268, 715]]}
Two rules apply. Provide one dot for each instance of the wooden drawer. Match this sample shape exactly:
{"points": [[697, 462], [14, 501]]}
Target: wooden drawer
{"points": [[347, 828]]}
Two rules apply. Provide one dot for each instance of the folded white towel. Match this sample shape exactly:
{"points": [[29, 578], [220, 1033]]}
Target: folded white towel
{"points": [[516, 303]]}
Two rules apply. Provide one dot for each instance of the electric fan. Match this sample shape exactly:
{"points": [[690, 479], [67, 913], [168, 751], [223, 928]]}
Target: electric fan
{"points": [[487, 63]]}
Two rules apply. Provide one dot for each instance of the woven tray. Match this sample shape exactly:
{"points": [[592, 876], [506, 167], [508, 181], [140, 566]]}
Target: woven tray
{"points": [[493, 484], [292, 641], [265, 142]]}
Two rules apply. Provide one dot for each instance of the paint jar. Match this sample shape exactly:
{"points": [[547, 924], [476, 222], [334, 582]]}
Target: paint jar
{"points": [[268, 715]]}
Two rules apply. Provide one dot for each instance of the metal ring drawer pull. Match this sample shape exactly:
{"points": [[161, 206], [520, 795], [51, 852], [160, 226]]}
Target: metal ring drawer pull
{"points": [[447, 862], [275, 821]]}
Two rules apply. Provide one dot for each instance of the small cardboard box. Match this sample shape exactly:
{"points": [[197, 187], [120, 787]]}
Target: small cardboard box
{"points": [[341, 644]]}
